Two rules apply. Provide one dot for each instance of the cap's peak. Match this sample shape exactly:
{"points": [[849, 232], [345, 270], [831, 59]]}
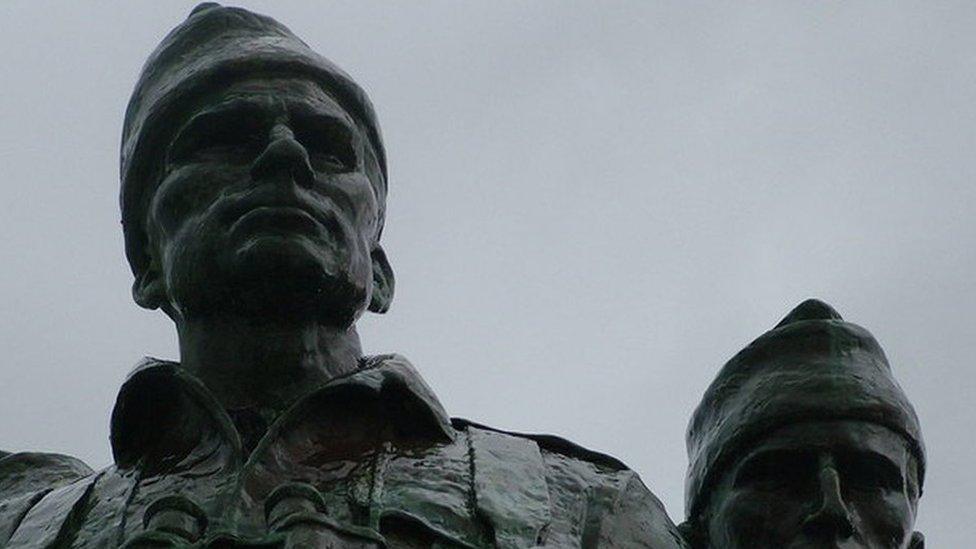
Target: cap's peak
{"points": [[811, 309]]}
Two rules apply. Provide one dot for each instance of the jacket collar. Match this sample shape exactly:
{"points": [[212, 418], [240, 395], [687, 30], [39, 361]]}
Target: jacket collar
{"points": [[165, 418]]}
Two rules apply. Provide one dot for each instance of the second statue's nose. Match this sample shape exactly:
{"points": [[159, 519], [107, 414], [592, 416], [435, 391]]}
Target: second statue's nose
{"points": [[284, 157]]}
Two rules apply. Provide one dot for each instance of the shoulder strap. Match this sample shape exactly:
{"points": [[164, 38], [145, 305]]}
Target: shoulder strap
{"points": [[510, 487], [551, 443], [637, 519]]}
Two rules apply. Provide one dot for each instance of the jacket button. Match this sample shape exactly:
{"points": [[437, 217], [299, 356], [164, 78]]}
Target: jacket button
{"points": [[295, 500], [176, 515]]}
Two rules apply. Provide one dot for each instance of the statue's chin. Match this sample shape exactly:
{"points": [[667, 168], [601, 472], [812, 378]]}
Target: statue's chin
{"points": [[275, 278], [292, 282]]}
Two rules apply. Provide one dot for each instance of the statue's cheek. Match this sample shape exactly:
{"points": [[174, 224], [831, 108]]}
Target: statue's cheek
{"points": [[755, 520], [885, 520], [353, 194], [186, 192]]}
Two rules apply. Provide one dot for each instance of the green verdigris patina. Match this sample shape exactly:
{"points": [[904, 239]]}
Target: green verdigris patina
{"points": [[253, 192]]}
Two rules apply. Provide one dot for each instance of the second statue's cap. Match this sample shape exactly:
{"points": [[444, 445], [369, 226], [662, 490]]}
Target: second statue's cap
{"points": [[812, 366]]}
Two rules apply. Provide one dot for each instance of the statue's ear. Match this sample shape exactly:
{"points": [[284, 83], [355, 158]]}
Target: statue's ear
{"points": [[918, 541], [148, 290], [383, 281]]}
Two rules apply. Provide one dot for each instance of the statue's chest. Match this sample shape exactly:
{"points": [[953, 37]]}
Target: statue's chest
{"points": [[285, 496]]}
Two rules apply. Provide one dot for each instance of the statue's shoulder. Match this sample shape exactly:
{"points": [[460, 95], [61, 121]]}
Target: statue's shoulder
{"points": [[532, 489], [552, 444], [583, 496], [26, 478], [24, 472]]}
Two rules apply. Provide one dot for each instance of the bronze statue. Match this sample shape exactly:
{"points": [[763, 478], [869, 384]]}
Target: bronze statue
{"points": [[254, 186], [805, 439]]}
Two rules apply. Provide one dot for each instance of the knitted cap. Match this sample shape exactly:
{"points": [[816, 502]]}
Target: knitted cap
{"points": [[813, 366]]}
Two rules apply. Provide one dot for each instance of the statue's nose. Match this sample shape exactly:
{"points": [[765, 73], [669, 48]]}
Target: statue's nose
{"points": [[832, 518], [284, 157]]}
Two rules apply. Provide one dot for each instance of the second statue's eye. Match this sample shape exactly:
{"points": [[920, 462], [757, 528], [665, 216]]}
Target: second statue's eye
{"points": [[326, 162], [865, 471], [779, 471]]}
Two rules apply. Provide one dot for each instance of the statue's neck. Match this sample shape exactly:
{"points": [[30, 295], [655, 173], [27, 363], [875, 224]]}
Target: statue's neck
{"points": [[265, 367]]}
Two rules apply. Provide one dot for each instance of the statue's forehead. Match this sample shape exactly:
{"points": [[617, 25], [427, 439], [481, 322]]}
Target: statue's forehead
{"points": [[276, 95], [835, 436]]}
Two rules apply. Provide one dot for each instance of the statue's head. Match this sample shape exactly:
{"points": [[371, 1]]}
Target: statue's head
{"points": [[805, 440], [253, 177]]}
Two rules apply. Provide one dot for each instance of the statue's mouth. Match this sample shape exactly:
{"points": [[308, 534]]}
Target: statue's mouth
{"points": [[276, 211], [286, 219]]}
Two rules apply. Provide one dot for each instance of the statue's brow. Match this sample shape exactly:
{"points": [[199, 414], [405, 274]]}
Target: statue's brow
{"points": [[237, 107], [312, 115]]}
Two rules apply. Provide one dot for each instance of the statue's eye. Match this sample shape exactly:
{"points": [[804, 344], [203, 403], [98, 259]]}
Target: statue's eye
{"points": [[218, 137], [324, 161], [867, 471], [779, 470], [329, 144]]}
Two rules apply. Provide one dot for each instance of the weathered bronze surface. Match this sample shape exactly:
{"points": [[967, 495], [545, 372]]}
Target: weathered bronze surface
{"points": [[253, 193], [805, 439]]}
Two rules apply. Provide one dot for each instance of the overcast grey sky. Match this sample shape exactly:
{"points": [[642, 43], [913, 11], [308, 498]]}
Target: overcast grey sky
{"points": [[593, 206]]}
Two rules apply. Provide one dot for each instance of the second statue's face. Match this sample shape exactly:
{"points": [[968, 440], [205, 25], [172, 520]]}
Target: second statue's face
{"points": [[266, 206], [841, 484]]}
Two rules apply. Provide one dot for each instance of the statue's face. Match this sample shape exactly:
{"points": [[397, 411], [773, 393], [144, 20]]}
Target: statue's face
{"points": [[265, 206], [816, 485]]}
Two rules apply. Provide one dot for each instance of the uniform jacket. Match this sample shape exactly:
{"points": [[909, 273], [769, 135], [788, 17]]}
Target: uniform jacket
{"points": [[367, 460]]}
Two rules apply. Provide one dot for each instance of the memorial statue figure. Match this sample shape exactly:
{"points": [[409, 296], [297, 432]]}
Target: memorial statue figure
{"points": [[805, 440], [254, 185]]}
